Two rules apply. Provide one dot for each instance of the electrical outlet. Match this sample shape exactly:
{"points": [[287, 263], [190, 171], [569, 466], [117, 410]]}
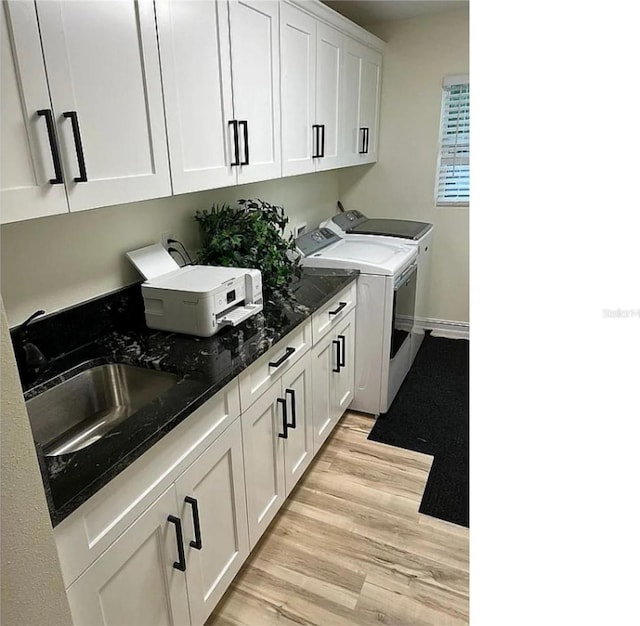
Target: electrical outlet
{"points": [[301, 229], [164, 239]]}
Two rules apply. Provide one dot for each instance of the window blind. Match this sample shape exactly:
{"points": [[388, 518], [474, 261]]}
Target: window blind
{"points": [[452, 186]]}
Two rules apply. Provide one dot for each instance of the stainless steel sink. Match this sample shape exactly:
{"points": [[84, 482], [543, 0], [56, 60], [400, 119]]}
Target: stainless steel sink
{"points": [[84, 408]]}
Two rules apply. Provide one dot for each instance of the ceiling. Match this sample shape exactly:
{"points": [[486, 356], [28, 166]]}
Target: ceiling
{"points": [[371, 11]]}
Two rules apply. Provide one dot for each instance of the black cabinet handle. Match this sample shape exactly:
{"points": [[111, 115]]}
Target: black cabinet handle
{"points": [[315, 136], [336, 343], [236, 147], [292, 393], [365, 140], [343, 351], [53, 144], [321, 155], [197, 543], [362, 136], [244, 124], [77, 139], [181, 563], [288, 352], [342, 305], [285, 425]]}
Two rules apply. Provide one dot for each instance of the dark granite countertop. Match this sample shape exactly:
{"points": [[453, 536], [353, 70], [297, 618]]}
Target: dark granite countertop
{"points": [[112, 329]]}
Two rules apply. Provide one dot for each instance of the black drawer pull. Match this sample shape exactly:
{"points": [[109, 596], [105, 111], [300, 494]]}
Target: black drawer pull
{"points": [[288, 352], [77, 139], [181, 563], [343, 351], [285, 425], [336, 343], [321, 155], [236, 147], [197, 543], [53, 144], [340, 307], [246, 142], [292, 393]]}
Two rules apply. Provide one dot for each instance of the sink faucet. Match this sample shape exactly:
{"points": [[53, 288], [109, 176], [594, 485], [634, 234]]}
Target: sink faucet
{"points": [[30, 359]]}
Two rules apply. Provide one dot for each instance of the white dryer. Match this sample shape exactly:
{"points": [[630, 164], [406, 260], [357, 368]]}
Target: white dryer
{"points": [[385, 340], [354, 225]]}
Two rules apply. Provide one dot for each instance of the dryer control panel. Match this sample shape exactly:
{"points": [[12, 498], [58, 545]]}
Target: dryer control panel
{"points": [[316, 240], [349, 219]]}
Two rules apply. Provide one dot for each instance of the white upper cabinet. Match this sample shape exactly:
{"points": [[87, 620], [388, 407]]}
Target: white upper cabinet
{"points": [[298, 68], [360, 103], [31, 181], [311, 55], [104, 77], [255, 66], [196, 75], [370, 79], [221, 76], [113, 101], [330, 50]]}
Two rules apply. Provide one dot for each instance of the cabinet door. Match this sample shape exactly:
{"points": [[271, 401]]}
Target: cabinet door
{"points": [[196, 77], [134, 581], [211, 498], [298, 72], [343, 381], [264, 460], [362, 71], [324, 359], [329, 58], [298, 446], [103, 68], [255, 64], [350, 103], [370, 102], [27, 156]]}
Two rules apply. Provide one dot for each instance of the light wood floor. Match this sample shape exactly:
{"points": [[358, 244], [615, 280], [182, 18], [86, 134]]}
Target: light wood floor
{"points": [[349, 546]]}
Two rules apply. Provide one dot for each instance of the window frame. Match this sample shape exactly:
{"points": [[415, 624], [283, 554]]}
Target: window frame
{"points": [[447, 84]]}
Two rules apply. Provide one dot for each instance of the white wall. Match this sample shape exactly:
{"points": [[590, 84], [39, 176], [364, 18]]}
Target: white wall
{"points": [[54, 262], [32, 587], [419, 53]]}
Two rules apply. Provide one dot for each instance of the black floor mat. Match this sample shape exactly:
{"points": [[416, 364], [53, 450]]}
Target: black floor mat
{"points": [[430, 414]]}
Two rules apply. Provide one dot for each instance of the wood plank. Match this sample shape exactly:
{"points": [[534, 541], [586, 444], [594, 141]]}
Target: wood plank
{"points": [[398, 607]]}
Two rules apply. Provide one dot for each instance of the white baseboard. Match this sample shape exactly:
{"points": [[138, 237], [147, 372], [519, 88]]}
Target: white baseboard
{"points": [[444, 328], [439, 328]]}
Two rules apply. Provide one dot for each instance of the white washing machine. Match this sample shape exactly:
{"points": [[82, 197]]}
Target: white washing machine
{"points": [[385, 343]]}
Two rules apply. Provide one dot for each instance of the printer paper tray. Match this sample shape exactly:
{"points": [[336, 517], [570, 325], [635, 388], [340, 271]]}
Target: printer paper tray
{"points": [[239, 314]]}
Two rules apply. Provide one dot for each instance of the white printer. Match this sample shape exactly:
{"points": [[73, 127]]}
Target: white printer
{"points": [[195, 299]]}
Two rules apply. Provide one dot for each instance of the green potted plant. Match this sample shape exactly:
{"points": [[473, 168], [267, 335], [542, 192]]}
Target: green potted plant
{"points": [[249, 235]]}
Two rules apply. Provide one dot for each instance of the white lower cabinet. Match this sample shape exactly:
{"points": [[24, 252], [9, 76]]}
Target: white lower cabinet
{"points": [[134, 581], [333, 378], [172, 565], [278, 444], [212, 507], [161, 543]]}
